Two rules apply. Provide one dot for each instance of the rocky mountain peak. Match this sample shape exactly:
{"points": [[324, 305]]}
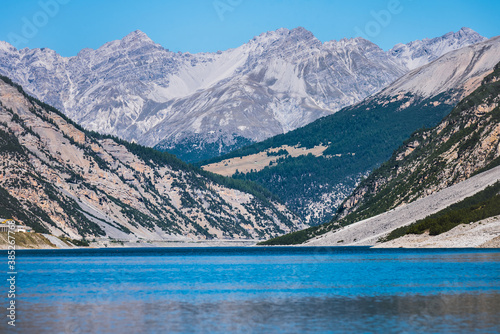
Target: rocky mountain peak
{"points": [[6, 47], [462, 36], [350, 42], [296, 35], [420, 52], [301, 32], [136, 38], [136, 35], [465, 31]]}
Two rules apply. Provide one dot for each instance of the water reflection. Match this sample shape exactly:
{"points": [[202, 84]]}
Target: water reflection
{"points": [[465, 313], [280, 290]]}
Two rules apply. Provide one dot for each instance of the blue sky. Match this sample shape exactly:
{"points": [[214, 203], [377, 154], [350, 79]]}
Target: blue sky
{"points": [[67, 26]]}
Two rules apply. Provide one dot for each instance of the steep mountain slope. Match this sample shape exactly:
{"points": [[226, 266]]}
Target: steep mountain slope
{"points": [[202, 105], [464, 143], [482, 205], [59, 178], [347, 145], [375, 229], [421, 52]]}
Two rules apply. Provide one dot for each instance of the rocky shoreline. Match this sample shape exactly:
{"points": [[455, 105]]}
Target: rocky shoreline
{"points": [[482, 234]]}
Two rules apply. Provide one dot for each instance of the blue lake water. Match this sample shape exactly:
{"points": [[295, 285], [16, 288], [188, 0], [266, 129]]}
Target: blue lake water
{"points": [[257, 290]]}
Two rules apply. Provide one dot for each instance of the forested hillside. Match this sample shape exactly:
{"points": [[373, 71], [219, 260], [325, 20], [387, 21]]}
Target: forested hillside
{"points": [[360, 138], [464, 143]]}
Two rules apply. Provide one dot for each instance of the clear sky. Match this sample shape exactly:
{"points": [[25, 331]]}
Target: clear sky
{"points": [[68, 26]]}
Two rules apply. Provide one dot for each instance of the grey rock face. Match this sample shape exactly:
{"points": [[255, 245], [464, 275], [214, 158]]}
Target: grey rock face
{"points": [[278, 81], [421, 52]]}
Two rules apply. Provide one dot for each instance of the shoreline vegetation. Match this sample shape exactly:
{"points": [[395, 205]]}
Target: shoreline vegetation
{"points": [[480, 234], [482, 205]]}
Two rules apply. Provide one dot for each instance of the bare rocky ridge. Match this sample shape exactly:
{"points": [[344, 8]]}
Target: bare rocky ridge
{"points": [[463, 68], [58, 178], [278, 81], [420, 52]]}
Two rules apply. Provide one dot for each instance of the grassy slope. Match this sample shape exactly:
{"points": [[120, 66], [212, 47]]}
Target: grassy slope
{"points": [[26, 240]]}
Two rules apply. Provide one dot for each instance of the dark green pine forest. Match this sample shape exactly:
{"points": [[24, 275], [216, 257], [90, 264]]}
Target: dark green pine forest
{"points": [[364, 135]]}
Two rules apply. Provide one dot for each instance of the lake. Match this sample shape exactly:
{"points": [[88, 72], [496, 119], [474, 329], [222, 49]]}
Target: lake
{"points": [[257, 290]]}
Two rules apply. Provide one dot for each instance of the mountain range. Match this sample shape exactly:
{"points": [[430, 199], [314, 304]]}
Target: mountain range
{"points": [[286, 86], [198, 106]]}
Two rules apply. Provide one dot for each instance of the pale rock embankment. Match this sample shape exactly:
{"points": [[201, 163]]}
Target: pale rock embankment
{"points": [[367, 232], [484, 234]]}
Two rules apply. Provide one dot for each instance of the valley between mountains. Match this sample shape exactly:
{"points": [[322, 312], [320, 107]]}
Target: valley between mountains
{"points": [[438, 180], [285, 140], [332, 154]]}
